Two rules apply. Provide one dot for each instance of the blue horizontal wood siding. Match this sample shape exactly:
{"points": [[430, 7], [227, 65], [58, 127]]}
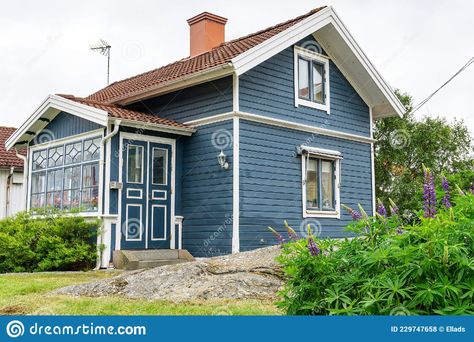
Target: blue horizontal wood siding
{"points": [[64, 125], [207, 191], [203, 100], [268, 89], [271, 187]]}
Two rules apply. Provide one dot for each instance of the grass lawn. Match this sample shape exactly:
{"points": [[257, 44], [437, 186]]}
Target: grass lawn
{"points": [[26, 294]]}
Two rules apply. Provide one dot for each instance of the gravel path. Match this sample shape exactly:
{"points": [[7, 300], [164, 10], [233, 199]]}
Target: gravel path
{"points": [[247, 275]]}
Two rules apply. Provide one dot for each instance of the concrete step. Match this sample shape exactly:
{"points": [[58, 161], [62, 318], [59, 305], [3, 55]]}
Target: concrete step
{"points": [[137, 259], [157, 263]]}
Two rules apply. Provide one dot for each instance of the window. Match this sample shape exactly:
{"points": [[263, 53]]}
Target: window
{"points": [[66, 176], [159, 165], [134, 164], [311, 79], [320, 185]]}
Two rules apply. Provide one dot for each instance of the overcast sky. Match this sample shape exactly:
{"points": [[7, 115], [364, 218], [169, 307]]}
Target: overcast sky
{"points": [[44, 45]]}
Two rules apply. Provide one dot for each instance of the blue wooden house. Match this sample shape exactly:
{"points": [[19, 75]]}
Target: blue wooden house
{"points": [[205, 153]]}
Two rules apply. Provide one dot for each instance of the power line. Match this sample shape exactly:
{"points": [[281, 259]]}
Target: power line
{"points": [[464, 67]]}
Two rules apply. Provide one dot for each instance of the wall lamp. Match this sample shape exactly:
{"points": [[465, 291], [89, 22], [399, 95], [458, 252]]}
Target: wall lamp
{"points": [[222, 158]]}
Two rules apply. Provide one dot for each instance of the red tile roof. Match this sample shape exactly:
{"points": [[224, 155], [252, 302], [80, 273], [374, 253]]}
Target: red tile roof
{"points": [[125, 114], [218, 56], [8, 158]]}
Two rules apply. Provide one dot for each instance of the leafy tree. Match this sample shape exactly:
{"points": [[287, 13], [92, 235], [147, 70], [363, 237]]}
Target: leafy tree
{"points": [[405, 144]]}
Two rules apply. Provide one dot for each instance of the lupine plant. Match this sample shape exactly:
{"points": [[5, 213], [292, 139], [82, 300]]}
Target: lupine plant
{"points": [[390, 267]]}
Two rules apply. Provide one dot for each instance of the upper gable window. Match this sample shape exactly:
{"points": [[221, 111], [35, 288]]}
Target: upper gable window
{"points": [[311, 79]]}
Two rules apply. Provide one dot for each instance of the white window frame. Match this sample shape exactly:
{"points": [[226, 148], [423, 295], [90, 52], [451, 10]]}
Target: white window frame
{"points": [[334, 157], [308, 54]]}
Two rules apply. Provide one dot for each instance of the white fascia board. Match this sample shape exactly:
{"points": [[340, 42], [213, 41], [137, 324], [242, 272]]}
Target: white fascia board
{"points": [[258, 54], [58, 104]]}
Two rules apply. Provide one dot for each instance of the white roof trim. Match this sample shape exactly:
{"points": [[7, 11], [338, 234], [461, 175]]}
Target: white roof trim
{"points": [[49, 108], [258, 54]]}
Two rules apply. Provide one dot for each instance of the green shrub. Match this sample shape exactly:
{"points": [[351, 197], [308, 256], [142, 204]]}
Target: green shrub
{"points": [[425, 268], [54, 242]]}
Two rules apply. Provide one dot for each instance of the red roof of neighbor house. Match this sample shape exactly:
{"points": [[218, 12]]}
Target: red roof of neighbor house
{"points": [[218, 56], [125, 114], [8, 158]]}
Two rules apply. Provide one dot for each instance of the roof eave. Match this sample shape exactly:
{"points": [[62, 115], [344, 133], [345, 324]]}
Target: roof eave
{"points": [[184, 82], [186, 131], [51, 106]]}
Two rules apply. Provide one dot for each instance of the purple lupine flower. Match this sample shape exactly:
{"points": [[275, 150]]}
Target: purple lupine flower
{"points": [[447, 194], [291, 232], [393, 207], [429, 195], [277, 235], [400, 231], [313, 248], [356, 216], [381, 210]]}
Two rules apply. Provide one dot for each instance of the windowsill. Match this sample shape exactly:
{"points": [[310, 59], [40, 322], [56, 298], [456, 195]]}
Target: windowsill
{"points": [[311, 104], [322, 214]]}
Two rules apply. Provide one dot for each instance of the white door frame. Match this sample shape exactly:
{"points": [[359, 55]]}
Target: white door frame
{"points": [[153, 139]]}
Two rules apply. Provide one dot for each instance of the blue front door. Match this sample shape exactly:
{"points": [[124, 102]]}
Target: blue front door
{"points": [[146, 195]]}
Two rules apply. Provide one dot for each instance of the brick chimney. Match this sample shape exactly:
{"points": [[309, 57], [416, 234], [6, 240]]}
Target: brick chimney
{"points": [[206, 30]]}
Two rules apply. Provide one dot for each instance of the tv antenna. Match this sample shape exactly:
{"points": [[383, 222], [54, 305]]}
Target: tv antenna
{"points": [[104, 49]]}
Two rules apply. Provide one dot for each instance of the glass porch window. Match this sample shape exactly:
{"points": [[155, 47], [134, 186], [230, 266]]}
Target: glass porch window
{"points": [[65, 176]]}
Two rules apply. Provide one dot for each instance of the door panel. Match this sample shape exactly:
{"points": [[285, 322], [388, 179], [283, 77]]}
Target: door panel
{"points": [[146, 194], [159, 196]]}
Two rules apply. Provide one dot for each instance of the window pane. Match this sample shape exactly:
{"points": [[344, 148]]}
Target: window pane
{"points": [[72, 177], [91, 149], [39, 160], [312, 191], [318, 83], [134, 164], [89, 199], [55, 156], [73, 153], [160, 162], [303, 78], [38, 183], [55, 180], [90, 175], [71, 199], [37, 201], [327, 175], [53, 199]]}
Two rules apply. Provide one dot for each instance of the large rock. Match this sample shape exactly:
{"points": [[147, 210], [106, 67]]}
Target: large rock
{"points": [[248, 275]]}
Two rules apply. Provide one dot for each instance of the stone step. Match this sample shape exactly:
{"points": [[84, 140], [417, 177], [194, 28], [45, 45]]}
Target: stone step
{"points": [[157, 254], [136, 259], [157, 263]]}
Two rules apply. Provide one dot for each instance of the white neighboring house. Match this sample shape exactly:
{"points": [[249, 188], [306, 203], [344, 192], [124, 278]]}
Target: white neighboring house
{"points": [[12, 198]]}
